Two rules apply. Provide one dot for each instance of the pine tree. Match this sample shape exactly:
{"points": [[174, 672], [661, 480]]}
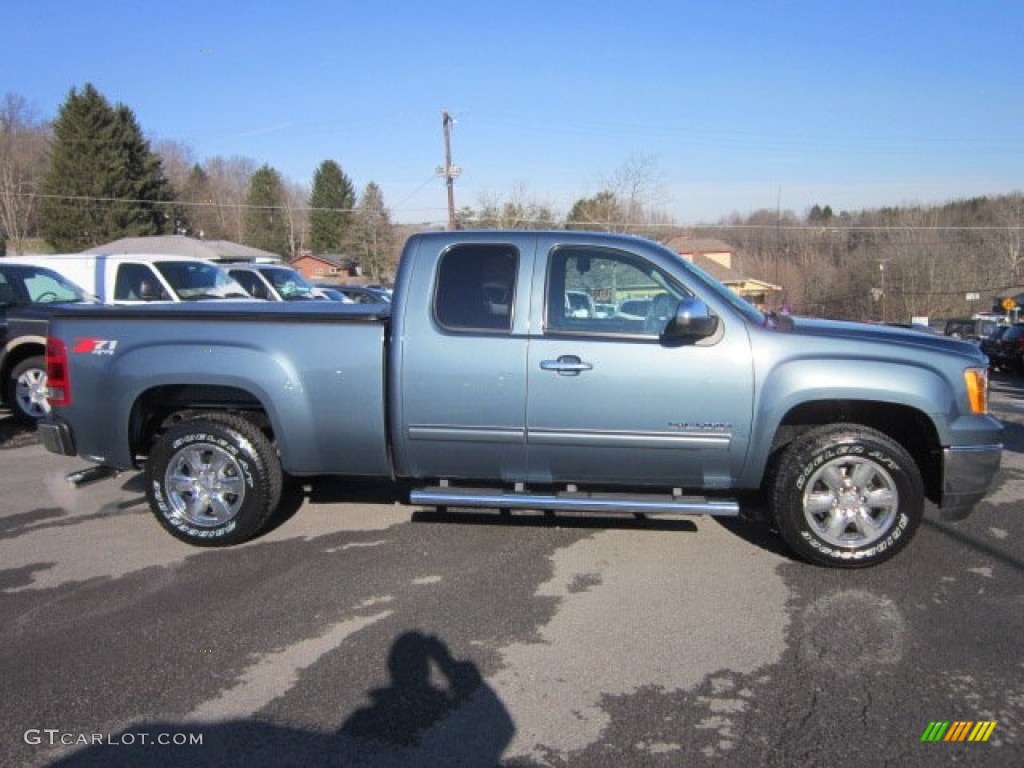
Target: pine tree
{"points": [[266, 221], [104, 181], [331, 202], [602, 211], [372, 235]]}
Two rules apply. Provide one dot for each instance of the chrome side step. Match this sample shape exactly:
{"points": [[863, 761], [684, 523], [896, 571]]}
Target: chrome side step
{"points": [[90, 475], [574, 501]]}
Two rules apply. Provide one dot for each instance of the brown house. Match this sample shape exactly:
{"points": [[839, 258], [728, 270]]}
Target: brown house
{"points": [[325, 269], [716, 258]]}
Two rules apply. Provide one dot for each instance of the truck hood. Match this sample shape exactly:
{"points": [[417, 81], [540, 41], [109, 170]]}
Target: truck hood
{"points": [[875, 334]]}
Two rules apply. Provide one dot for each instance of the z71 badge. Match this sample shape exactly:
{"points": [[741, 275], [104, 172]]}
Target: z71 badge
{"points": [[94, 346]]}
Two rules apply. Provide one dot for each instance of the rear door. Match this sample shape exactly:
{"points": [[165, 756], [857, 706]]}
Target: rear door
{"points": [[461, 398], [611, 399]]}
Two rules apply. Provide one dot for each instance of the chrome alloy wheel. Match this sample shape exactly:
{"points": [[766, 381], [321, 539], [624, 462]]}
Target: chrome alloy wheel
{"points": [[851, 502], [205, 485], [30, 393]]}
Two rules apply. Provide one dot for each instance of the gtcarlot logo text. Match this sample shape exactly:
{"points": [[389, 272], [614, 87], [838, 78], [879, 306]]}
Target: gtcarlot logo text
{"points": [[53, 737]]}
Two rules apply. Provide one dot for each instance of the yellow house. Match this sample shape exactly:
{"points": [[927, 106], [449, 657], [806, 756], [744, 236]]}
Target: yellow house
{"points": [[715, 258]]}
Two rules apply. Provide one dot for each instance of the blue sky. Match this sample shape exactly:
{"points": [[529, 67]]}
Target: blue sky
{"points": [[740, 106]]}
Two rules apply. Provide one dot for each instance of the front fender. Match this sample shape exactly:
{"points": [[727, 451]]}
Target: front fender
{"points": [[799, 382]]}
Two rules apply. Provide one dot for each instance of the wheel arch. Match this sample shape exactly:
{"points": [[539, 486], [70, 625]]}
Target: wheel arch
{"points": [[906, 425], [161, 406], [17, 351]]}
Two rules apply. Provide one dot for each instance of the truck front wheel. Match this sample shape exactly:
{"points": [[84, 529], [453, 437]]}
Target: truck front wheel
{"points": [[846, 496], [213, 482]]}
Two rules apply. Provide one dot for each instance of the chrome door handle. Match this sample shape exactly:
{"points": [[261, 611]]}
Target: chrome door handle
{"points": [[566, 365]]}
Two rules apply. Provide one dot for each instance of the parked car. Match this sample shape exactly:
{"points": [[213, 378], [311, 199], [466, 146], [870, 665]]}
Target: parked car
{"points": [[361, 294], [989, 345], [334, 293], [272, 281], [1007, 351], [635, 307], [23, 335], [971, 328], [137, 278]]}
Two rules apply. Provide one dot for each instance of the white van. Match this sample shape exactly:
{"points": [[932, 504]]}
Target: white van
{"points": [[139, 278]]}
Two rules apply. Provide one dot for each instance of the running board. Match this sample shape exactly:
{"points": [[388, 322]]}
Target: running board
{"points": [[90, 475], [574, 501]]}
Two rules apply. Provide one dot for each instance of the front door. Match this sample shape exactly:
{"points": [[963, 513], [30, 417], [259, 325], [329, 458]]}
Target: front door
{"points": [[610, 399]]}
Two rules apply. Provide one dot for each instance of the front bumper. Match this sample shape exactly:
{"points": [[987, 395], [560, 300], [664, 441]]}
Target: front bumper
{"points": [[967, 474]]}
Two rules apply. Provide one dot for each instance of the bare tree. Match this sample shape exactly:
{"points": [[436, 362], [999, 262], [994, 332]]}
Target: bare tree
{"points": [[229, 185], [178, 160], [371, 236], [297, 212], [629, 200], [639, 185], [1009, 214], [516, 210], [23, 158]]}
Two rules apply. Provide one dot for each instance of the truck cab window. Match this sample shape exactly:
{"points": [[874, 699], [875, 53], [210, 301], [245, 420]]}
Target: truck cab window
{"points": [[136, 282], [601, 291], [475, 288]]}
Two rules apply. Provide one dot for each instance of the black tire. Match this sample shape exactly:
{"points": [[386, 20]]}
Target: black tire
{"points": [[213, 482], [26, 390], [846, 496]]}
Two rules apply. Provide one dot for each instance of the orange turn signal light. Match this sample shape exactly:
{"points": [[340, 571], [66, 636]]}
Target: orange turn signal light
{"points": [[977, 389]]}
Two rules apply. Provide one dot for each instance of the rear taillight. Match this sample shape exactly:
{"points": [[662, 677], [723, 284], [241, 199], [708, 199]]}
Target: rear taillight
{"points": [[58, 384]]}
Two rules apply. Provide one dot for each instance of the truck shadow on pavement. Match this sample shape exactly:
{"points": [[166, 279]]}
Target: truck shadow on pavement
{"points": [[14, 434], [435, 710], [540, 519], [1013, 437]]}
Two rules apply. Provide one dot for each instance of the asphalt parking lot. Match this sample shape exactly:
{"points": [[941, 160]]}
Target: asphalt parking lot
{"points": [[360, 632]]}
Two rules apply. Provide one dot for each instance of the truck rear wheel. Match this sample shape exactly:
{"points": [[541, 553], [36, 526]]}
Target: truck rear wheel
{"points": [[846, 496], [213, 482]]}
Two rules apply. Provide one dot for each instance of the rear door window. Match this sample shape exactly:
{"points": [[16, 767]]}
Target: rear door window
{"points": [[476, 286]]}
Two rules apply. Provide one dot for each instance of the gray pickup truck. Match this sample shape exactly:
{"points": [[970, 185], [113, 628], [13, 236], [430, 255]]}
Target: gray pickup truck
{"points": [[487, 383]]}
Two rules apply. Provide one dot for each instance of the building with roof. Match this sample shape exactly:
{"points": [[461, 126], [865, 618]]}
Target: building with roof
{"points": [[180, 245], [716, 258], [325, 268]]}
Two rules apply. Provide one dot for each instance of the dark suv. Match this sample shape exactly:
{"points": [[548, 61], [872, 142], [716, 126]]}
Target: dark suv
{"points": [[25, 293], [1007, 351]]}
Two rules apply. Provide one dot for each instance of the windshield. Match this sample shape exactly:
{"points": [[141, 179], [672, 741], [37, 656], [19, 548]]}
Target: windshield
{"points": [[195, 280], [289, 283], [36, 285]]}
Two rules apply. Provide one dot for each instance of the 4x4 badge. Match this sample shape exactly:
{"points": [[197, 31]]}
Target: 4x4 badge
{"points": [[94, 346]]}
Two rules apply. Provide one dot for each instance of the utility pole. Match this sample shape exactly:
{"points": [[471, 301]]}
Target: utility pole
{"points": [[881, 270], [449, 171]]}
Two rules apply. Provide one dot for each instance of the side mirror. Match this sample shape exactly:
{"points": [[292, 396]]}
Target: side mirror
{"points": [[693, 320]]}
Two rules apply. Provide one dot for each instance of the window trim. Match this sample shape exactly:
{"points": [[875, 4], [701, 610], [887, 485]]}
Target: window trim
{"points": [[616, 254], [499, 248]]}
